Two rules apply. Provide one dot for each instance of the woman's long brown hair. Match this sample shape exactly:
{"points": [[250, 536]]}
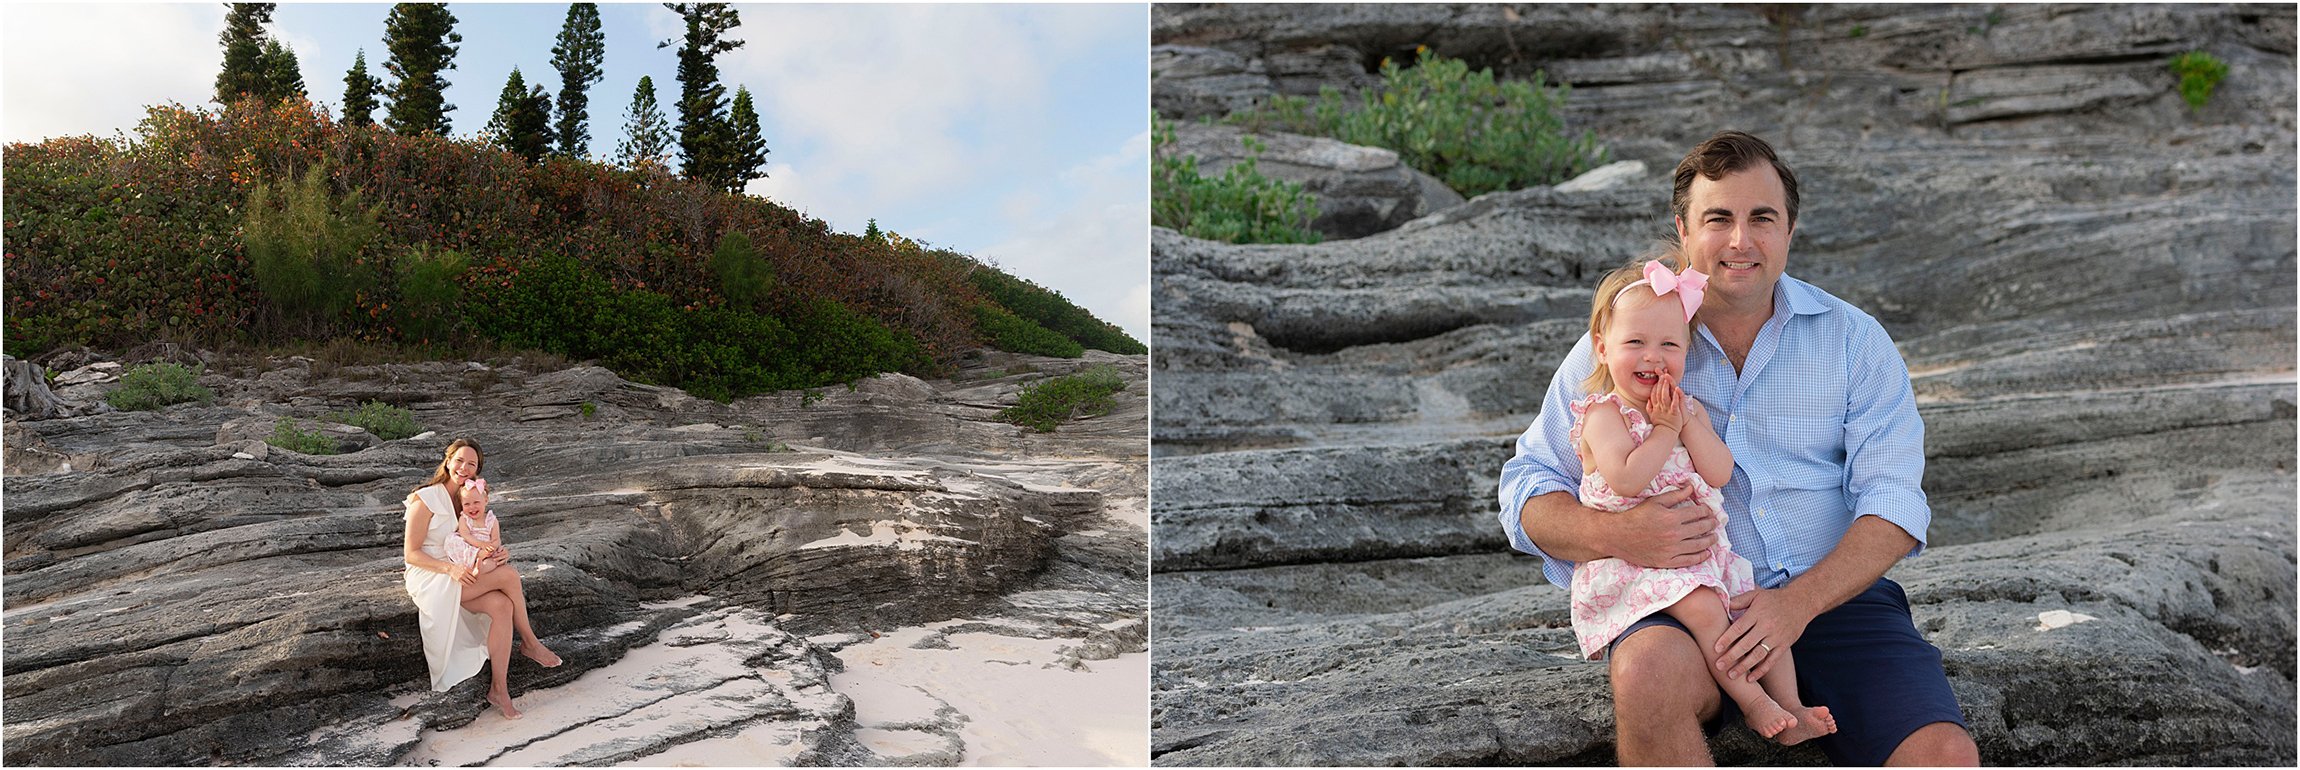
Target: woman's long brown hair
{"points": [[439, 474]]}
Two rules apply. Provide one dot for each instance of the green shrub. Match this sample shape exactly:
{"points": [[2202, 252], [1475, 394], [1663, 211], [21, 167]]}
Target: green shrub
{"points": [[1007, 331], [1240, 206], [151, 386], [1048, 403], [430, 295], [387, 422], [715, 352], [2199, 72], [1468, 130], [744, 279], [287, 435], [304, 248]]}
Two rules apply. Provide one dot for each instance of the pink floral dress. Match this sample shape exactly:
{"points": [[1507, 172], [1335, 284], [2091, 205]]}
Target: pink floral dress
{"points": [[1609, 594], [464, 554]]}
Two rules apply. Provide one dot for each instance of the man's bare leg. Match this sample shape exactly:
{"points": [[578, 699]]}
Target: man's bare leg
{"points": [[1660, 701], [1940, 744]]}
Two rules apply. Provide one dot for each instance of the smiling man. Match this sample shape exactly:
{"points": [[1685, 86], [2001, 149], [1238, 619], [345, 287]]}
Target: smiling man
{"points": [[1815, 403]]}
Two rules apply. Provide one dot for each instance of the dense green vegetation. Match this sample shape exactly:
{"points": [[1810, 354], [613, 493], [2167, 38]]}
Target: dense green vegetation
{"points": [[1046, 404], [387, 422], [1476, 134], [425, 241], [1240, 206]]}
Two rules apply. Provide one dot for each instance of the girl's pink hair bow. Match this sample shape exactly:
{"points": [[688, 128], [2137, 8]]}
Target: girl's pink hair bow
{"points": [[476, 483], [1689, 286]]}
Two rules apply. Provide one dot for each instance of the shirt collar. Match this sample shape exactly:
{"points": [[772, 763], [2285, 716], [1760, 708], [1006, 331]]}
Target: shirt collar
{"points": [[1800, 297]]}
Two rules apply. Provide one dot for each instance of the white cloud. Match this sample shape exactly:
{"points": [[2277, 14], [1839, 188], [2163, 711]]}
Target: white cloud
{"points": [[72, 70], [1093, 242]]}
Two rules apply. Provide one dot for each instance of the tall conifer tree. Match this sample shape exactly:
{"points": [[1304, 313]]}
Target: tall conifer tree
{"points": [[646, 135], [422, 41], [748, 160], [581, 49], [706, 151], [522, 120], [283, 77], [243, 41], [359, 93]]}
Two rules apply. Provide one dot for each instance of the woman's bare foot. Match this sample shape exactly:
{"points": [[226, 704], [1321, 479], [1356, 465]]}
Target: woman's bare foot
{"points": [[1769, 719], [503, 703], [1811, 723], [542, 656]]}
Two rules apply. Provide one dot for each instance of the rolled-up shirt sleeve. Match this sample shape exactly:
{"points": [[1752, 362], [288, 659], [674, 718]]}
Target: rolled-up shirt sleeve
{"points": [[1884, 439], [1545, 460]]}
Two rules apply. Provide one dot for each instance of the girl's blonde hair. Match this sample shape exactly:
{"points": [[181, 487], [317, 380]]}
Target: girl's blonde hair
{"points": [[439, 474], [1602, 305]]}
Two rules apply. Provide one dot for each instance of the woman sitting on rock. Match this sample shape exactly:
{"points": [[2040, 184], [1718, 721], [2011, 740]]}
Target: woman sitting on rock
{"points": [[467, 612]]}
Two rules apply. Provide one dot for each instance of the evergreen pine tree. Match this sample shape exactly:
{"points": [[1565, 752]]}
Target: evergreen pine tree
{"points": [[646, 135], [359, 93], [705, 140], [581, 49], [522, 120], [871, 231], [283, 77], [243, 41], [748, 159], [422, 40]]}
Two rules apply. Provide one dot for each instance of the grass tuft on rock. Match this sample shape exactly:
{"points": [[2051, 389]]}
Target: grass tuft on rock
{"points": [[1046, 404], [289, 436], [387, 422], [151, 386]]}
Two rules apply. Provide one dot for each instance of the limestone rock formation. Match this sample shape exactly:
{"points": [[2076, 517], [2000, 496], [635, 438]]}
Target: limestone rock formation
{"points": [[2090, 283], [180, 592]]}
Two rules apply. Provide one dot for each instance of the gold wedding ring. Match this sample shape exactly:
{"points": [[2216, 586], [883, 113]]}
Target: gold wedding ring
{"points": [[1768, 647]]}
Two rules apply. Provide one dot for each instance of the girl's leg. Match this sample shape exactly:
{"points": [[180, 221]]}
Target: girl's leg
{"points": [[1704, 613], [498, 611], [1781, 683], [506, 580]]}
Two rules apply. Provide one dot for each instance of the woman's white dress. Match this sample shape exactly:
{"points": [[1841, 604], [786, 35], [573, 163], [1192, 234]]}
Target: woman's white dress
{"points": [[454, 639]]}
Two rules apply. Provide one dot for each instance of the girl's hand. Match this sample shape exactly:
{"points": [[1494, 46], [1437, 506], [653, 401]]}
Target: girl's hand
{"points": [[1665, 406]]}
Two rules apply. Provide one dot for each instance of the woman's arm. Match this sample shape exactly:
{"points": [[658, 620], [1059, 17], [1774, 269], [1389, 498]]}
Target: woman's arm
{"points": [[419, 523], [1626, 466], [1710, 457]]}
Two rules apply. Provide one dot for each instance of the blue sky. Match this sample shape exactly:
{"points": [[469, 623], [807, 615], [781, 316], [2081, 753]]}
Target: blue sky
{"points": [[1016, 133]]}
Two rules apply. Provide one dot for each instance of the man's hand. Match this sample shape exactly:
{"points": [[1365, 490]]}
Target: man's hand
{"points": [[1666, 531], [1770, 621]]}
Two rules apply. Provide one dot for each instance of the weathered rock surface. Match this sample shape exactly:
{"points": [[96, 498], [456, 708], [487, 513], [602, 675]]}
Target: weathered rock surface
{"points": [[2091, 285], [186, 593]]}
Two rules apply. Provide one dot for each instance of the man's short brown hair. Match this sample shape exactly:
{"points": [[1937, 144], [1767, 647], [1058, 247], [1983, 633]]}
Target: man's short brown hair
{"points": [[1725, 153]]}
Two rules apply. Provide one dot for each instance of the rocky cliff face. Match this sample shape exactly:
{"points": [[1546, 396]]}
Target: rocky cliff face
{"points": [[179, 592], [2092, 286]]}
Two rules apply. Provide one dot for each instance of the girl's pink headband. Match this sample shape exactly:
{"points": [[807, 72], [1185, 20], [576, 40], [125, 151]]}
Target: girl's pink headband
{"points": [[1689, 286]]}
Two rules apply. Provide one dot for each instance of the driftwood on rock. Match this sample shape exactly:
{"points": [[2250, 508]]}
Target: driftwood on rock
{"points": [[2091, 284]]}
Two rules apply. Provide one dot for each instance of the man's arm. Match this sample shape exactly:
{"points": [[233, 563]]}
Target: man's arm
{"points": [[1777, 617], [1653, 534]]}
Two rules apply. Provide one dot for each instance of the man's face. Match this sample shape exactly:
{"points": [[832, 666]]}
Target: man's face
{"points": [[1737, 231]]}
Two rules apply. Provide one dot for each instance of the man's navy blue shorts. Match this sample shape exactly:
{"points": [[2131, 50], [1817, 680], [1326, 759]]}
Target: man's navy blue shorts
{"points": [[1865, 661]]}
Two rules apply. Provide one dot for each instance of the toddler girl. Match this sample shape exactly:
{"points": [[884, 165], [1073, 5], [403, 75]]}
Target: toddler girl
{"points": [[476, 531], [1638, 435]]}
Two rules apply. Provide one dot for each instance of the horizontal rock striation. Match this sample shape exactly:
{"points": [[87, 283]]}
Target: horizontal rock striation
{"points": [[185, 595], [2091, 285]]}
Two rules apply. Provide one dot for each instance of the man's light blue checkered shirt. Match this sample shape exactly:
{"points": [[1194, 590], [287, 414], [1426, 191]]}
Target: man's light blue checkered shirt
{"points": [[1822, 423]]}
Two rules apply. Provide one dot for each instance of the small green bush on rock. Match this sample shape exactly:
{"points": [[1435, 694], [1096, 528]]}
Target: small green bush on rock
{"points": [[1240, 206], [1007, 331], [287, 435], [2199, 72], [387, 422], [151, 386], [1476, 134], [1046, 404]]}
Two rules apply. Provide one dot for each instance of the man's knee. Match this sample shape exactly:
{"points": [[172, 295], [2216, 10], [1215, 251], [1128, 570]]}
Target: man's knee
{"points": [[1660, 673], [1940, 744]]}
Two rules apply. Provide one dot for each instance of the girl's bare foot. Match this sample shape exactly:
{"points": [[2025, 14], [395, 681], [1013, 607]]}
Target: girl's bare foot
{"points": [[1769, 719], [1811, 723], [543, 656], [503, 703]]}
